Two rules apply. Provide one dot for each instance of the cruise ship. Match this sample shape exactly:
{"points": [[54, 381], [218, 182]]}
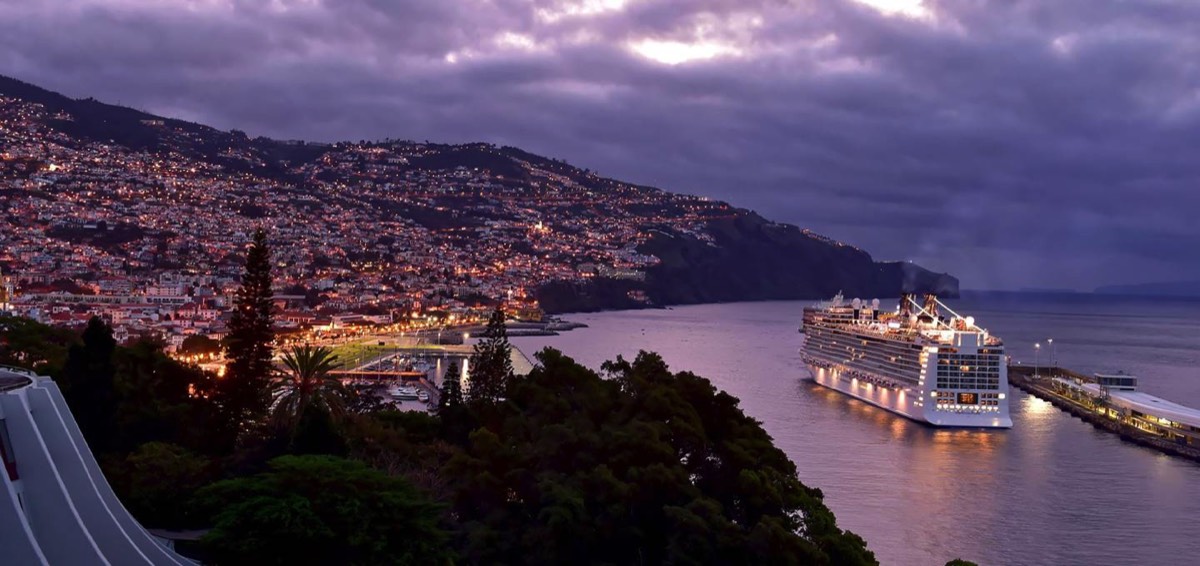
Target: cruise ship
{"points": [[922, 361]]}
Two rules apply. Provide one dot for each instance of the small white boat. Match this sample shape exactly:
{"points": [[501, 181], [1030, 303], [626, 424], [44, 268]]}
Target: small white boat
{"points": [[399, 392]]}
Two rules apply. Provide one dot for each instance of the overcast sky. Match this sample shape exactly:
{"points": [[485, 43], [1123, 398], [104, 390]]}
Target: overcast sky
{"points": [[1042, 143]]}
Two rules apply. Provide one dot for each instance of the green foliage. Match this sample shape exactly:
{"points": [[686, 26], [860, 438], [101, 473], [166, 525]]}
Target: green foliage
{"points": [[322, 510], [365, 398], [162, 400], [244, 393], [88, 382], [199, 344], [306, 382], [455, 417], [317, 433], [647, 467], [451, 394], [491, 363], [33, 345], [405, 443], [156, 478]]}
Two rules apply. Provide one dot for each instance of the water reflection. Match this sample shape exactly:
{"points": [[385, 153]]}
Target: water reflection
{"points": [[901, 428], [1051, 490]]}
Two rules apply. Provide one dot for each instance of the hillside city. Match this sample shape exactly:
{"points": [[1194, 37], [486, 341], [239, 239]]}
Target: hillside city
{"points": [[152, 238]]}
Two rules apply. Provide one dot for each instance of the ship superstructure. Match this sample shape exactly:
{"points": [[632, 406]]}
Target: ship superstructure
{"points": [[922, 361]]}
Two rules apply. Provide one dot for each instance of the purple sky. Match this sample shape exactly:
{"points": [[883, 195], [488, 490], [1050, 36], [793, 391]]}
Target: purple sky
{"points": [[1048, 143]]}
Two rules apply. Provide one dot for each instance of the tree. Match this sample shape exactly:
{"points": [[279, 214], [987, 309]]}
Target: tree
{"points": [[89, 385], [451, 394], [491, 363], [163, 400], [197, 344], [155, 478], [33, 345], [453, 415], [365, 398], [305, 382], [649, 467], [244, 392], [322, 510]]}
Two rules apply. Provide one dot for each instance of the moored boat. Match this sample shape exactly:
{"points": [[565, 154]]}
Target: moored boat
{"points": [[943, 370]]}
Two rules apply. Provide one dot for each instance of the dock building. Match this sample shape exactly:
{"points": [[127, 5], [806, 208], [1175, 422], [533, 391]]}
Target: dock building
{"points": [[1116, 396]]}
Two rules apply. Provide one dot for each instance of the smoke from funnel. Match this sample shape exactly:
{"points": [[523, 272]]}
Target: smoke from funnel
{"points": [[917, 280]]}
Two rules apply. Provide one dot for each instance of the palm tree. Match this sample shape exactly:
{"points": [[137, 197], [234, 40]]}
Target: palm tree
{"points": [[307, 381]]}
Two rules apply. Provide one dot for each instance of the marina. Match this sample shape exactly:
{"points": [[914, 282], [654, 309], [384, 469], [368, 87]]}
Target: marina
{"points": [[409, 373]]}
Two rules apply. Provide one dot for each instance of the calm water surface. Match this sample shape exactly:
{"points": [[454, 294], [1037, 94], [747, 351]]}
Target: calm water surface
{"points": [[1052, 490]]}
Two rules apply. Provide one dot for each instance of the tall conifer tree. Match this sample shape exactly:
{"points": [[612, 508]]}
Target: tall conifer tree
{"points": [[491, 362], [452, 394], [245, 389]]}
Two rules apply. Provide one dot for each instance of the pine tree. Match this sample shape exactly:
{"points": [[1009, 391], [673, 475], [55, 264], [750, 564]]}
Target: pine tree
{"points": [[456, 418], [244, 391], [491, 362], [452, 395]]}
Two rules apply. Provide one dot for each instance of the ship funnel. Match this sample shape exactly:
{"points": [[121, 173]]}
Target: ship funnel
{"points": [[906, 305], [931, 305]]}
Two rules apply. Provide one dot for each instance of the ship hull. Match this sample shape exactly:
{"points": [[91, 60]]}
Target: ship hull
{"points": [[907, 403]]}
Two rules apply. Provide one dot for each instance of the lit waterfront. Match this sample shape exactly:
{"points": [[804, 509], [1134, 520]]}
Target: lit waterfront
{"points": [[1052, 490]]}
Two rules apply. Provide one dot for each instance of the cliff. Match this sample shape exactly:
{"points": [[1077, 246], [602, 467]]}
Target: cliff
{"points": [[748, 259]]}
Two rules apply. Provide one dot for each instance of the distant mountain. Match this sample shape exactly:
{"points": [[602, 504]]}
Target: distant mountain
{"points": [[1156, 289], [413, 204]]}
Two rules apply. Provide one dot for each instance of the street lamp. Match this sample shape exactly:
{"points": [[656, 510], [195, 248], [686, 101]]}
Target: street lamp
{"points": [[1053, 353], [1037, 351]]}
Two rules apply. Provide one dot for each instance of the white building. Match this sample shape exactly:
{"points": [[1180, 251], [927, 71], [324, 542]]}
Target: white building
{"points": [[56, 508]]}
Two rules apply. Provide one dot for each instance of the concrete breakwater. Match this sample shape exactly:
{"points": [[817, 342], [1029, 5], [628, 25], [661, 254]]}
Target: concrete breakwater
{"points": [[1042, 387]]}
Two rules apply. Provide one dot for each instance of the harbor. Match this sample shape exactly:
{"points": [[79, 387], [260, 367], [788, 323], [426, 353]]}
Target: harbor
{"points": [[1111, 402], [408, 372]]}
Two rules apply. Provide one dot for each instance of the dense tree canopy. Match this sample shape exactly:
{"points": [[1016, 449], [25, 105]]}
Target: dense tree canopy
{"points": [[322, 510], [199, 344], [648, 467], [157, 479], [29, 344]]}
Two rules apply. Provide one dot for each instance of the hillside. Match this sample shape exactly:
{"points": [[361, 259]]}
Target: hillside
{"points": [[389, 222]]}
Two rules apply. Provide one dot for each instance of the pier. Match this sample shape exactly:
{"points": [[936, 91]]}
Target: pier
{"points": [[1110, 403]]}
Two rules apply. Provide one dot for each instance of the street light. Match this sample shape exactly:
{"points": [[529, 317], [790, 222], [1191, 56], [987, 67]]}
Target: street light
{"points": [[1037, 350], [1053, 353]]}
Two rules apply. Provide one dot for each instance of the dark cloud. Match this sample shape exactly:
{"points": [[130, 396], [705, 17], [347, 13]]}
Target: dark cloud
{"points": [[1014, 143]]}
